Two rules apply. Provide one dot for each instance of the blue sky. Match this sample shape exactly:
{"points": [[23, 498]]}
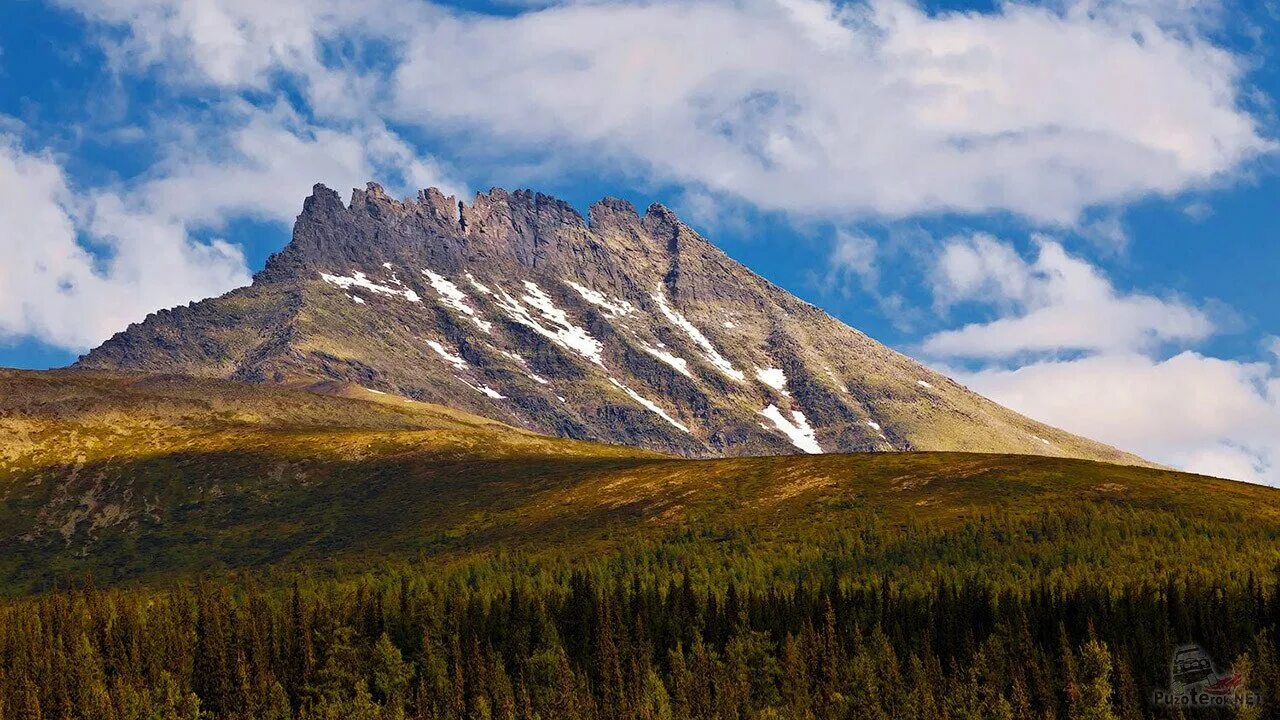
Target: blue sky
{"points": [[1068, 205]]}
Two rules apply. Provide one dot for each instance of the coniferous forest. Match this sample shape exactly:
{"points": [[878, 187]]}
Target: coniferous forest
{"points": [[1053, 617]]}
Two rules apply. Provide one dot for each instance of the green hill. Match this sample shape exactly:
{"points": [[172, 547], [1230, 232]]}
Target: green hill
{"points": [[135, 477], [201, 549]]}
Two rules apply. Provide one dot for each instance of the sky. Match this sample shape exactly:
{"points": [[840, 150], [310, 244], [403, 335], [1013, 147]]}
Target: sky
{"points": [[1069, 206]]}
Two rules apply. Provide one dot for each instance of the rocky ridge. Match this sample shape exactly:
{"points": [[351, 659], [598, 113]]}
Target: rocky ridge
{"points": [[621, 327]]}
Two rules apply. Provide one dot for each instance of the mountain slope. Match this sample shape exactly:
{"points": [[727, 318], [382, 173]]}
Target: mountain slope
{"points": [[132, 476], [621, 328]]}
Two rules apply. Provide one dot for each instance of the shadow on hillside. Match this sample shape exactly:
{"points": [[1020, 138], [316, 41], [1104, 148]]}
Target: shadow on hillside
{"points": [[211, 512]]}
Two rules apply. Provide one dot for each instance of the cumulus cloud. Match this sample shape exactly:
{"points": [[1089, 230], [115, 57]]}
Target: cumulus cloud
{"points": [[881, 108], [1202, 414], [1070, 349], [875, 108], [854, 253], [267, 160], [52, 287], [249, 45], [1056, 303]]}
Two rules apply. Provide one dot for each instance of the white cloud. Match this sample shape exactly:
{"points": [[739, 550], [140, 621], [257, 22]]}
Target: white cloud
{"points": [[1107, 232], [980, 267], [801, 105], [1198, 413], [1198, 211], [246, 45], [880, 109], [1195, 412], [52, 288], [266, 162], [1056, 303], [855, 253]]}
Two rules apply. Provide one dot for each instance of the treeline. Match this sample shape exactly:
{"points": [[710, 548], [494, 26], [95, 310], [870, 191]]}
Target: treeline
{"points": [[411, 647], [1071, 613]]}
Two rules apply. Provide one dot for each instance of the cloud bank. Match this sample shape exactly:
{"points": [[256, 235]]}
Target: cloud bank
{"points": [[1060, 303], [1070, 349], [51, 286], [875, 108], [1201, 414], [879, 109]]}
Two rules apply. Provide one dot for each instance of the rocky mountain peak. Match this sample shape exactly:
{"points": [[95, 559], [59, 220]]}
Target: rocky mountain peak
{"points": [[321, 200], [612, 212], [522, 210], [618, 327], [437, 204]]}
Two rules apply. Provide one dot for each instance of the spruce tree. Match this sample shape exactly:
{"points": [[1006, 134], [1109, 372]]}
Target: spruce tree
{"points": [[1095, 695]]}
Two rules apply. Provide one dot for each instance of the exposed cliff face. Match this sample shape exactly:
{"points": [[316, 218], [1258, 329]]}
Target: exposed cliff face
{"points": [[619, 327]]}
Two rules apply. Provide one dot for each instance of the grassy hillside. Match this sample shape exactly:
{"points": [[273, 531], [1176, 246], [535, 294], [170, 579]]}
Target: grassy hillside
{"points": [[327, 553], [133, 477]]}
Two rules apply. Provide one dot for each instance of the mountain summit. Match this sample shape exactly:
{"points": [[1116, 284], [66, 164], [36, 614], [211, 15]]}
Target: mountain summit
{"points": [[618, 327]]}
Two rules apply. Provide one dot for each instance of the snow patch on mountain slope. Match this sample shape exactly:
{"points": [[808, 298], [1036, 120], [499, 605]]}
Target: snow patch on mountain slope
{"points": [[835, 379], [455, 360], [648, 404], [524, 365], [680, 364], [773, 377], [712, 354], [562, 332], [796, 429], [615, 308], [478, 285], [568, 334], [484, 390], [876, 426], [358, 279], [453, 297]]}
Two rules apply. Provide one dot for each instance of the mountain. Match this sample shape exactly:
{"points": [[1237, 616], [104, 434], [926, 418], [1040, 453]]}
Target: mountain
{"points": [[617, 327], [127, 476]]}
